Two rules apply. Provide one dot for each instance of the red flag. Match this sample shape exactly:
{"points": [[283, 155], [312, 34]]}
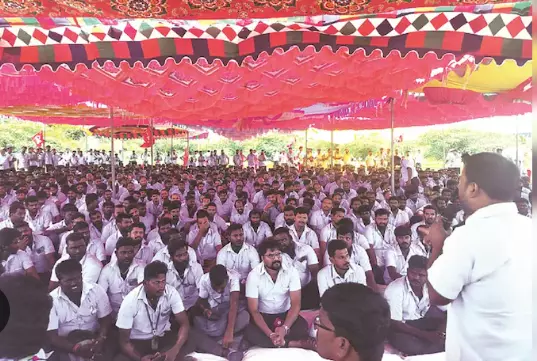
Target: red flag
{"points": [[148, 138], [39, 139], [185, 158]]}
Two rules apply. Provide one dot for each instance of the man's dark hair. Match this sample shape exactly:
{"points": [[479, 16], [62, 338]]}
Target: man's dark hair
{"points": [[154, 269], [91, 197], [31, 199], [202, 213], [120, 217], [382, 212], [345, 228], [429, 207], [15, 206], [301, 210], [68, 266], [417, 262], [336, 245], [29, 310], [496, 175], [73, 237], [137, 225], [176, 243], [7, 236], [335, 211], [268, 244], [363, 208], [108, 204], [402, 231], [416, 219], [163, 222], [360, 315], [218, 275], [234, 227], [80, 226], [124, 242], [254, 213], [282, 230]]}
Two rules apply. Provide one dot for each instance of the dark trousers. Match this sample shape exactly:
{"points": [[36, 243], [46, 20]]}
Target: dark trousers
{"points": [[378, 272], [256, 337], [310, 296], [434, 320], [196, 341]]}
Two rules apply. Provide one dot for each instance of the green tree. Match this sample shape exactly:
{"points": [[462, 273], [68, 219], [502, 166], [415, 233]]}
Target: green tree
{"points": [[439, 142]]}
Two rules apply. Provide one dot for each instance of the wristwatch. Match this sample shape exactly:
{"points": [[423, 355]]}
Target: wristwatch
{"points": [[286, 329]]}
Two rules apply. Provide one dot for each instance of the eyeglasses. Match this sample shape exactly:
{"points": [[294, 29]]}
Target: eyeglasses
{"points": [[317, 325], [273, 256]]}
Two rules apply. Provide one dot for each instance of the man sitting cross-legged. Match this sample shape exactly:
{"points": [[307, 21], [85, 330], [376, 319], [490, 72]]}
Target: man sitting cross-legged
{"points": [[223, 316], [273, 294], [416, 327]]}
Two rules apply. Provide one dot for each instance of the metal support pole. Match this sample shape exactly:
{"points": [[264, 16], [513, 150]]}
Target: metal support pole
{"points": [[392, 146], [152, 141], [171, 147], [331, 148], [113, 155], [306, 146], [516, 146], [187, 148], [44, 136]]}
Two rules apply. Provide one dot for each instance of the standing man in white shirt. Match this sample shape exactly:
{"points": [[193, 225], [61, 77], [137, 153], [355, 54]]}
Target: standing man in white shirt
{"points": [[223, 159], [416, 327], [273, 294], [490, 313], [80, 318]]}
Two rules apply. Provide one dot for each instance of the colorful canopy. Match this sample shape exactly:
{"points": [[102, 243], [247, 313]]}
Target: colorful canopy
{"points": [[137, 132], [208, 9]]}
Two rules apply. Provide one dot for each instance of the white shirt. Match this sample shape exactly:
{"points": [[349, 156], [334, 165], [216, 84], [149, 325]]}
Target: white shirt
{"points": [[137, 315], [242, 262], [207, 246], [115, 286], [41, 222], [17, 263], [358, 257], [480, 268], [240, 218], [91, 268], [254, 238], [214, 298], [400, 219], [379, 243], [273, 297], [328, 277], [41, 247], [404, 304], [304, 258], [319, 220], [65, 316], [308, 237], [393, 257], [188, 284]]}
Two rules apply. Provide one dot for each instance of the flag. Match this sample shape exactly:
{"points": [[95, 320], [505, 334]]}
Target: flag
{"points": [[148, 138], [399, 139], [39, 139], [185, 157], [199, 136]]}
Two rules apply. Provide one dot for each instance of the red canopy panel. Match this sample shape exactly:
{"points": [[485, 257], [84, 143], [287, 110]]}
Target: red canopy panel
{"points": [[498, 31], [209, 9]]}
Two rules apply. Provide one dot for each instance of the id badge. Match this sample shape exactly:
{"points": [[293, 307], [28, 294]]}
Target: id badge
{"points": [[154, 343]]}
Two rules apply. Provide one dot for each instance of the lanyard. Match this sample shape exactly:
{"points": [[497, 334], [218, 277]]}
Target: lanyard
{"points": [[153, 328]]}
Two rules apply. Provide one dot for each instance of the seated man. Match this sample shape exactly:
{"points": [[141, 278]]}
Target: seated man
{"points": [[416, 327], [396, 258], [223, 316], [76, 249], [357, 254], [255, 230], [144, 323], [273, 294], [352, 324], [13, 260], [237, 255], [121, 275], [341, 269], [301, 233], [205, 240], [40, 250], [80, 318], [302, 258], [329, 231]]}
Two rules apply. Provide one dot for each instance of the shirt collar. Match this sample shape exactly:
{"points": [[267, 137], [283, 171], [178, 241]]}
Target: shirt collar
{"points": [[86, 288], [493, 210], [336, 275]]}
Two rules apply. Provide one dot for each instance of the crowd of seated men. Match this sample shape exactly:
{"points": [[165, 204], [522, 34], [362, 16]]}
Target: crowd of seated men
{"points": [[169, 260]]}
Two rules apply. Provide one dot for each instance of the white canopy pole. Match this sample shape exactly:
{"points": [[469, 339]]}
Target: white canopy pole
{"points": [[306, 157], [392, 146], [152, 141], [113, 155], [331, 148]]}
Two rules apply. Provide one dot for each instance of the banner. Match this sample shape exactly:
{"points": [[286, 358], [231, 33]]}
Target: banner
{"points": [[149, 139], [199, 136], [39, 139]]}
